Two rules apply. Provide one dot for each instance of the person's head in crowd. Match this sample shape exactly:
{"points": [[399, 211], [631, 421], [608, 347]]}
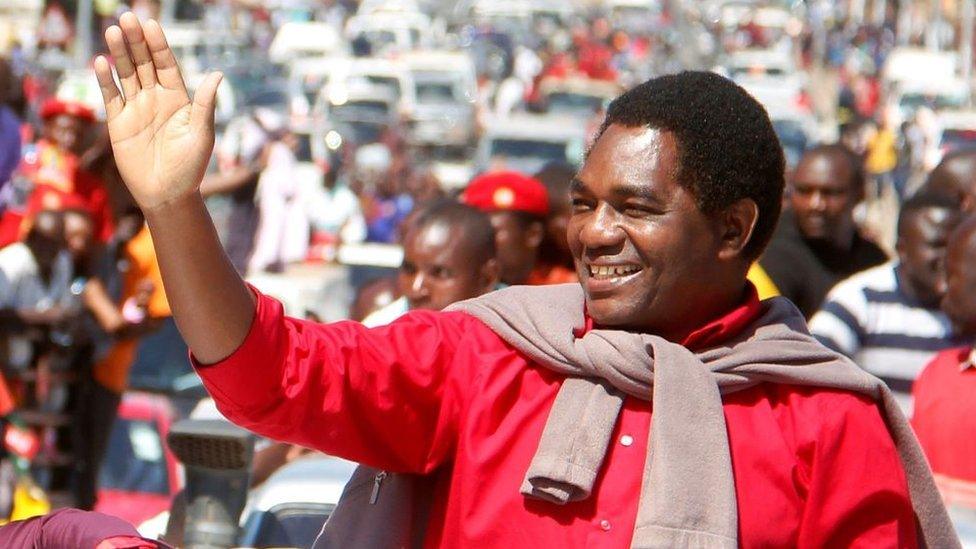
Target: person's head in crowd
{"points": [[372, 165], [670, 209], [955, 175], [65, 123], [373, 296], [129, 224], [557, 176], [924, 224], [517, 205], [827, 185], [448, 256], [423, 186], [959, 302], [45, 238], [79, 232]]}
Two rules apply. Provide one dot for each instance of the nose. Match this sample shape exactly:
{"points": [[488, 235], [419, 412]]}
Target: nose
{"points": [[817, 201], [418, 286], [602, 229]]}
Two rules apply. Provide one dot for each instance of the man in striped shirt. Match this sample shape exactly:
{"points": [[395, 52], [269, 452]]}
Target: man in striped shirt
{"points": [[887, 318]]}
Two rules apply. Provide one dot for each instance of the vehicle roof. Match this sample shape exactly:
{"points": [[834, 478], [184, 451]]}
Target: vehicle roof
{"points": [[602, 88], [536, 127], [957, 120], [311, 479], [757, 56], [435, 60]]}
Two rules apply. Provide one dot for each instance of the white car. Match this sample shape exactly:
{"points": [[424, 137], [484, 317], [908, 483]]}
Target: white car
{"points": [[295, 40], [525, 143], [445, 90], [392, 31], [289, 509]]}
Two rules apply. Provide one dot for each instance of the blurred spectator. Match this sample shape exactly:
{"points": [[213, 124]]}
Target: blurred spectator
{"points": [[945, 411], [50, 172], [334, 215], [283, 227], [955, 176], [887, 318], [35, 285], [518, 206], [557, 177], [10, 140], [882, 156], [817, 242], [241, 157], [126, 299], [448, 256], [75, 528], [385, 204]]}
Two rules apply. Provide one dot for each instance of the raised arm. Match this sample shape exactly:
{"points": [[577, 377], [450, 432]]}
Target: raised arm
{"points": [[162, 143]]}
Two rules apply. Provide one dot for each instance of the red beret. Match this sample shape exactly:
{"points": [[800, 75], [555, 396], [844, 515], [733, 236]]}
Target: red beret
{"points": [[507, 190], [54, 107]]}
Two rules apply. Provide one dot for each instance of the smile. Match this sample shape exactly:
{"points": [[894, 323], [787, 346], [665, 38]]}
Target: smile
{"points": [[610, 272]]}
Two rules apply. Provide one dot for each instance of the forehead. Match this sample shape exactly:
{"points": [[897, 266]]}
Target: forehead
{"points": [[823, 170], [436, 243], [639, 158]]}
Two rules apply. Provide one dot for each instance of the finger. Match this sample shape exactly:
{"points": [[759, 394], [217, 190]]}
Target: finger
{"points": [[205, 102], [123, 63], [110, 92], [136, 41], [167, 71]]}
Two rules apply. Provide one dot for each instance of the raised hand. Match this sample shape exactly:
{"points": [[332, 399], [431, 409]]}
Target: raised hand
{"points": [[162, 141]]}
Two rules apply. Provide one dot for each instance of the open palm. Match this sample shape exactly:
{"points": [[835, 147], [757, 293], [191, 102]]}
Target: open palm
{"points": [[162, 141]]}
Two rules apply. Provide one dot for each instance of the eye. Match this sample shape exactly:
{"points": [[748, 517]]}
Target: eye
{"points": [[581, 204], [408, 268]]}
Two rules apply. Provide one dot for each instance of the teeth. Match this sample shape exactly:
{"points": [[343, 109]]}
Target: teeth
{"points": [[608, 271]]}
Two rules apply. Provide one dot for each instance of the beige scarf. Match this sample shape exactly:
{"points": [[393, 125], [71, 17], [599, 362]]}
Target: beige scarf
{"points": [[692, 502]]}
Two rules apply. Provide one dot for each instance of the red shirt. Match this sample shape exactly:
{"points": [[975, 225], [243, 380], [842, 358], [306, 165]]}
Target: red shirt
{"points": [[440, 392], [945, 423]]}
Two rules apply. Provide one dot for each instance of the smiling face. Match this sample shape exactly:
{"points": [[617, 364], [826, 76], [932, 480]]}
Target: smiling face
{"points": [[647, 257]]}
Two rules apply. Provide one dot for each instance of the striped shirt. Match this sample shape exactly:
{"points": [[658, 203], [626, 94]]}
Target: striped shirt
{"points": [[870, 319]]}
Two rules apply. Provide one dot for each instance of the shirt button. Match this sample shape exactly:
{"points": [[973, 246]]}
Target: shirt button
{"points": [[605, 525], [626, 440]]}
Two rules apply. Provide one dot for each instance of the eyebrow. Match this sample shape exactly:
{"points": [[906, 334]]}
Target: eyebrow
{"points": [[643, 192]]}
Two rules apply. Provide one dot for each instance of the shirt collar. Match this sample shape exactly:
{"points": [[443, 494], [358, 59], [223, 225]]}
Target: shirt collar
{"points": [[717, 330]]}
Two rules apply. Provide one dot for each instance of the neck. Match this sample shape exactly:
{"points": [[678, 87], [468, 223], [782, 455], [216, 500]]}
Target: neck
{"points": [[709, 307], [908, 287]]}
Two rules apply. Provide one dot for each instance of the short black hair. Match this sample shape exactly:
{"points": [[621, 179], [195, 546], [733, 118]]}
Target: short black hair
{"points": [[727, 149], [473, 225], [924, 200], [858, 177]]}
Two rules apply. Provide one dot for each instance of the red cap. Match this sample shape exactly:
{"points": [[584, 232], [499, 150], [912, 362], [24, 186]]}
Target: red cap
{"points": [[54, 107], [507, 191]]}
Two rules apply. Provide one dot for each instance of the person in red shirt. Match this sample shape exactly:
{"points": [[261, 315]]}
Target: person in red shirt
{"points": [[669, 211], [945, 414], [50, 175]]}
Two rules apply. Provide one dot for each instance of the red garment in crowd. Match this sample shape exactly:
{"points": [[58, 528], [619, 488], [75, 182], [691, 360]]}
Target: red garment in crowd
{"points": [[595, 60], [441, 393], [544, 274], [944, 419], [58, 183]]}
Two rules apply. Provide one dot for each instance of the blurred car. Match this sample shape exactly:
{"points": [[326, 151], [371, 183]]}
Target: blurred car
{"points": [[295, 40], [360, 113], [289, 509], [957, 130], [391, 30], [382, 72], [445, 88], [576, 97], [938, 95], [527, 142], [139, 475]]}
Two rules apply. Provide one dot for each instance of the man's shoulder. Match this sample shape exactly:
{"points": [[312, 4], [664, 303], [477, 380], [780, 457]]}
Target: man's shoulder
{"points": [[807, 408]]}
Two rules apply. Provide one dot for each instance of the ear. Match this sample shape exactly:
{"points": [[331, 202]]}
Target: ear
{"points": [[535, 234], [490, 272], [738, 222]]}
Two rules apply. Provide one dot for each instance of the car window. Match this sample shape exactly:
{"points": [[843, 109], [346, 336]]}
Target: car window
{"points": [[549, 150], [285, 526], [135, 461]]}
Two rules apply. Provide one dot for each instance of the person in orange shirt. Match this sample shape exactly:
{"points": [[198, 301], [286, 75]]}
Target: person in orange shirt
{"points": [[126, 298]]}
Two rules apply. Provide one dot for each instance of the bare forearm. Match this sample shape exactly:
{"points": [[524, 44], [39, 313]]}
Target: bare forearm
{"points": [[226, 182], [212, 306]]}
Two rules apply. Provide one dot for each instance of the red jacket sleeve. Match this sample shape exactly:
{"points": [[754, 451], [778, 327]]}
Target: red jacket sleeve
{"points": [[389, 397], [852, 501]]}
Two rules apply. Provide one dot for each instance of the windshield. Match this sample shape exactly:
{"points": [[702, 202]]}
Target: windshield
{"points": [[529, 148], [932, 101], [356, 110], [135, 461], [573, 102]]}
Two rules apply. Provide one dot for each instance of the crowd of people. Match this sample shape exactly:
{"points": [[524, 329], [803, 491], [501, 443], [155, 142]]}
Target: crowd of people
{"points": [[677, 199]]}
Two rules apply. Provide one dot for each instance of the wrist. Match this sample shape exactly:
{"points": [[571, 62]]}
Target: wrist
{"points": [[168, 208]]}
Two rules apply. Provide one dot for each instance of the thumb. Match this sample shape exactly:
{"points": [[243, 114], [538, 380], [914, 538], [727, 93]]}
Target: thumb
{"points": [[205, 102]]}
